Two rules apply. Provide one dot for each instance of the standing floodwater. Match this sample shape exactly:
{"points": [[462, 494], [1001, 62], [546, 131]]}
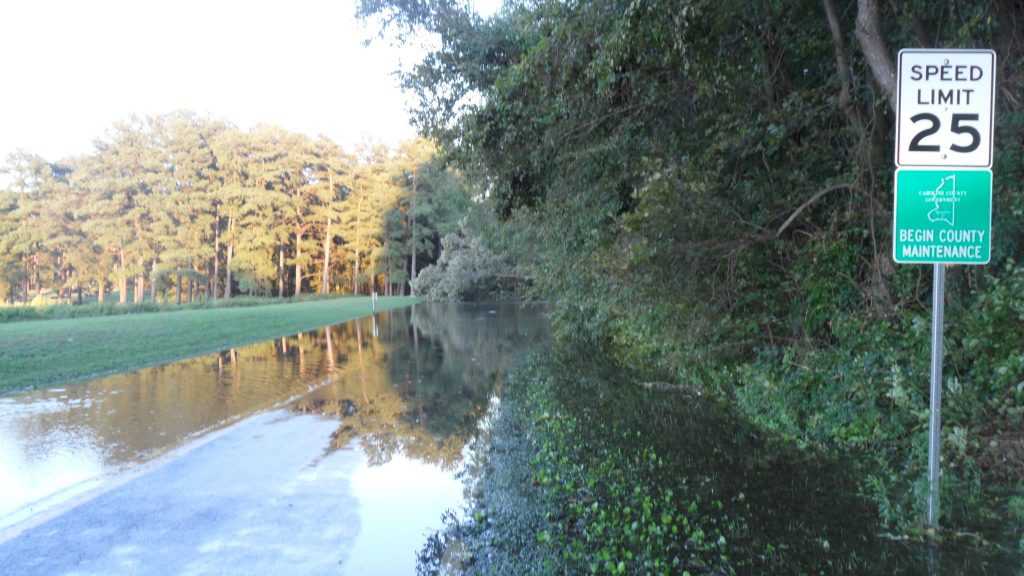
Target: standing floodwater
{"points": [[351, 466]]}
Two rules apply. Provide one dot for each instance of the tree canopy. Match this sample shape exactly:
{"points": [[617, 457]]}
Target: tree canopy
{"points": [[190, 206]]}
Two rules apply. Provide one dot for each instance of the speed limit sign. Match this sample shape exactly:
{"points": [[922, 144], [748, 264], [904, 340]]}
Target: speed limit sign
{"points": [[942, 202], [944, 114]]}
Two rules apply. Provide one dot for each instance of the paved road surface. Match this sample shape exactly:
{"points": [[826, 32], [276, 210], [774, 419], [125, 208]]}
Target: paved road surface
{"points": [[261, 497]]}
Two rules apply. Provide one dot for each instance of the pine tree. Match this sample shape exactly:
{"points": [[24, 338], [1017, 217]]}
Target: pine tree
{"points": [[180, 201]]}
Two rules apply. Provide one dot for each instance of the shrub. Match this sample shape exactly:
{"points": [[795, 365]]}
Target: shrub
{"points": [[466, 270]]}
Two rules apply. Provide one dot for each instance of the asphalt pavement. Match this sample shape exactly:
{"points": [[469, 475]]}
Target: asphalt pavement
{"points": [[264, 496]]}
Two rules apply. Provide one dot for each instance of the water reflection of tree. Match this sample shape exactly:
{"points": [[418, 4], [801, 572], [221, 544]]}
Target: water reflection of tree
{"points": [[144, 412], [382, 429], [471, 347], [420, 388], [420, 393]]}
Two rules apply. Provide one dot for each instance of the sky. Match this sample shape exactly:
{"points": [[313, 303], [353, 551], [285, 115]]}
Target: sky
{"points": [[70, 68]]}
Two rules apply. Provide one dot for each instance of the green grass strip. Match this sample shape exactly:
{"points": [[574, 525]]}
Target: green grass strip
{"points": [[47, 353]]}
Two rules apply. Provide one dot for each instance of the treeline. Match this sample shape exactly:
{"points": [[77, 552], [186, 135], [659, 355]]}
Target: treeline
{"points": [[180, 207]]}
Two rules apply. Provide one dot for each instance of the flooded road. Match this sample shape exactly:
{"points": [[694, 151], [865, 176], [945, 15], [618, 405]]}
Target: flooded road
{"points": [[349, 463]]}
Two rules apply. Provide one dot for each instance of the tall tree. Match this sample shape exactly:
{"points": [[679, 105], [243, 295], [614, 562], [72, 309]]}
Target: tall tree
{"points": [[187, 203], [412, 156]]}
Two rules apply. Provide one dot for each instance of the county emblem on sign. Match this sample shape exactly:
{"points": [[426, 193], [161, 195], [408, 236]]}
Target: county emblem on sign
{"points": [[942, 216]]}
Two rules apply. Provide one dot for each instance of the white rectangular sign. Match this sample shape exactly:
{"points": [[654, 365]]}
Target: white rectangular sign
{"points": [[945, 108]]}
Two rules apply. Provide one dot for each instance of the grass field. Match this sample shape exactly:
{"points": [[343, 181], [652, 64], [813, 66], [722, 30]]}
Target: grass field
{"points": [[21, 313], [45, 353]]}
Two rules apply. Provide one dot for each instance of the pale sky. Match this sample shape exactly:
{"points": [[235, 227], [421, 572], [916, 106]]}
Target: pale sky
{"points": [[70, 68]]}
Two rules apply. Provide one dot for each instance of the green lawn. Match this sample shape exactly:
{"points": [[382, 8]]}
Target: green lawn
{"points": [[43, 353]]}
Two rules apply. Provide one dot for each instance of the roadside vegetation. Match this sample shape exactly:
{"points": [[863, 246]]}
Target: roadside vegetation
{"points": [[587, 468], [703, 192], [50, 353], [467, 270]]}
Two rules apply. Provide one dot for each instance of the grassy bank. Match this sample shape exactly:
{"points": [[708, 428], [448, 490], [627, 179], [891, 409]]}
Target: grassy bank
{"points": [[55, 352], [592, 471], [112, 308]]}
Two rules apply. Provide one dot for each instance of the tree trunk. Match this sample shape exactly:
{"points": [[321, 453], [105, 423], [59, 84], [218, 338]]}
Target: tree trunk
{"points": [[215, 281], [298, 267], [325, 282], [122, 279], [355, 276], [152, 284], [412, 216], [879, 60], [191, 289], [60, 275], [846, 103], [280, 272], [140, 282], [872, 44], [101, 290], [228, 282], [178, 289]]}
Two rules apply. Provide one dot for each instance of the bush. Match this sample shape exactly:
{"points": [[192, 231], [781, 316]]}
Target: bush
{"points": [[466, 270], [859, 389]]}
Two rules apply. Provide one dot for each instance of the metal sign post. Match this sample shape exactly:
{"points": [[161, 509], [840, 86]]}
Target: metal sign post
{"points": [[942, 203], [935, 422]]}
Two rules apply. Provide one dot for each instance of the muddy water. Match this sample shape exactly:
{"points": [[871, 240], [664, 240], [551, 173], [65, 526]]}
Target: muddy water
{"points": [[406, 389]]}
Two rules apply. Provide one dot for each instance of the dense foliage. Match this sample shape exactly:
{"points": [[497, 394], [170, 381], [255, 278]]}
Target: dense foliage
{"points": [[708, 184], [583, 470], [466, 270], [183, 203]]}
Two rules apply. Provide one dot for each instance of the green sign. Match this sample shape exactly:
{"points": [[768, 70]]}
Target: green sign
{"points": [[942, 216]]}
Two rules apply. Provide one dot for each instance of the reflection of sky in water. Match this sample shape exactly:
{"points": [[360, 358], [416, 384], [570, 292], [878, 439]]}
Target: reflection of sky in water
{"points": [[69, 460], [399, 502], [42, 402]]}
